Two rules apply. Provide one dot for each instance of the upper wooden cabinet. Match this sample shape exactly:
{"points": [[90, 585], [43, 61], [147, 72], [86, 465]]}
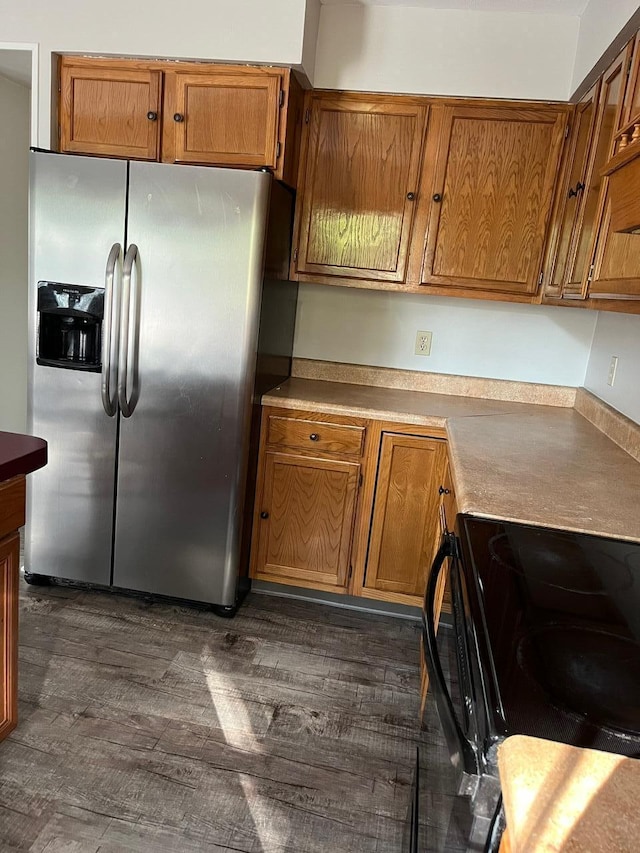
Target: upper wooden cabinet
{"points": [[359, 185], [181, 112], [226, 118], [615, 271], [579, 270], [571, 205], [490, 196], [110, 111], [413, 193]]}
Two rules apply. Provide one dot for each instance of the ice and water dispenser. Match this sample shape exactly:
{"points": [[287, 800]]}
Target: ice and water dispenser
{"points": [[70, 326]]}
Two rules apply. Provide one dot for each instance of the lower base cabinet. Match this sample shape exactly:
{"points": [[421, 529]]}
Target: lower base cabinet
{"points": [[306, 516], [348, 505], [12, 509], [405, 520]]}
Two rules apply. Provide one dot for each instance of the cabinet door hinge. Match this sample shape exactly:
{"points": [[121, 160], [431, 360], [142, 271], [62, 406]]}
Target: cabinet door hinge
{"points": [[360, 481], [590, 276], [307, 116], [540, 278], [295, 254], [278, 149], [350, 573], [567, 129], [629, 66], [281, 97]]}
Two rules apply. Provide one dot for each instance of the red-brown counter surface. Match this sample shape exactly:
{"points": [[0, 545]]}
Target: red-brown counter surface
{"points": [[20, 454]]}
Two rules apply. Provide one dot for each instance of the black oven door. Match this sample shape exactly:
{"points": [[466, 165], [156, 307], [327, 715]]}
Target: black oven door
{"points": [[467, 801]]}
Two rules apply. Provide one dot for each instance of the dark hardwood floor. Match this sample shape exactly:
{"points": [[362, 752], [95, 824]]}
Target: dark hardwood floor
{"points": [[153, 727]]}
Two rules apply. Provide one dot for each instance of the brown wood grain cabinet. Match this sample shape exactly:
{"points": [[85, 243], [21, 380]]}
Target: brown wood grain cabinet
{"points": [[309, 477], [490, 196], [615, 271], [348, 505], [12, 509], [572, 199], [405, 522], [358, 186], [420, 194], [589, 227], [113, 111], [181, 112]]}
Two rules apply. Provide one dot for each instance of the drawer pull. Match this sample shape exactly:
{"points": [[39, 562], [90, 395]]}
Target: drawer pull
{"points": [[314, 437], [443, 491], [264, 515]]}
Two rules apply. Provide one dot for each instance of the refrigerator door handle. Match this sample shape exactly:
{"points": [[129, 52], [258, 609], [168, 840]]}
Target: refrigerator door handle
{"points": [[129, 334], [110, 332]]}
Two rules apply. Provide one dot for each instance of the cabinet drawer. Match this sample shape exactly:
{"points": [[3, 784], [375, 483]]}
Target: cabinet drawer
{"points": [[12, 501], [315, 435]]}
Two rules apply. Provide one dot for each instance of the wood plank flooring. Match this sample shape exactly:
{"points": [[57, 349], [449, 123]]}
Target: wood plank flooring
{"points": [[153, 727]]}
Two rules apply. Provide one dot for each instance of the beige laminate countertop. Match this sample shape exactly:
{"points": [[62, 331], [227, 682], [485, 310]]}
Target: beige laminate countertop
{"points": [[561, 799], [522, 462]]}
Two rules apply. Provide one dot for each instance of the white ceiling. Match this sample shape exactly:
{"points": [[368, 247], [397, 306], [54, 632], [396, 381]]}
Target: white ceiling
{"points": [[553, 7], [16, 65]]}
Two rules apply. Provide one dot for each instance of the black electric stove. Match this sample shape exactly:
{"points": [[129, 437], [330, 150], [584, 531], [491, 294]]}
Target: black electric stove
{"points": [[546, 642]]}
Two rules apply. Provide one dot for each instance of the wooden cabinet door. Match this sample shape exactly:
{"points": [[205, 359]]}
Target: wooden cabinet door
{"points": [[405, 529], [492, 194], [306, 519], [572, 206], [9, 574], [593, 203], [113, 111], [359, 187], [222, 117]]}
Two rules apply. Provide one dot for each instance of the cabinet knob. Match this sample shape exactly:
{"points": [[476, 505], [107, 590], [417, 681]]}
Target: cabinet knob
{"points": [[578, 189], [437, 197], [152, 116], [178, 117], [264, 515], [314, 437], [443, 491], [411, 196]]}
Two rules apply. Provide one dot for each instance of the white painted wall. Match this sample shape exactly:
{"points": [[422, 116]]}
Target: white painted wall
{"points": [[231, 30], [530, 343], [15, 107], [600, 23], [617, 334], [439, 52]]}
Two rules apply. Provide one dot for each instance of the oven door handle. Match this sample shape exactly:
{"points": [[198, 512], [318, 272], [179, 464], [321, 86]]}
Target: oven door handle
{"points": [[448, 718]]}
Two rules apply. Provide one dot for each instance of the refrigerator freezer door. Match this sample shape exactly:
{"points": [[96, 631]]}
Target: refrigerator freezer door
{"points": [[195, 297], [77, 213]]}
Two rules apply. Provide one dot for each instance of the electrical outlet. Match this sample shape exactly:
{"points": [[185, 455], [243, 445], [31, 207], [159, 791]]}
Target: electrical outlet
{"points": [[613, 366], [423, 343]]}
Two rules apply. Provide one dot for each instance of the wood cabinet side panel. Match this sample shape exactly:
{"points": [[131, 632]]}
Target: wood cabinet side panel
{"points": [[9, 577]]}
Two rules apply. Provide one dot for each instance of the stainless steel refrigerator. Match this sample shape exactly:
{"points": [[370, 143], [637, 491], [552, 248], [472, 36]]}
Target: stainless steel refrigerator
{"points": [[145, 291]]}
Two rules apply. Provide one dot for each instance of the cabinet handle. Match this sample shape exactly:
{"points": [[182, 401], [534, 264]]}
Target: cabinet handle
{"points": [[152, 116], [178, 117], [314, 437], [578, 189], [264, 515], [443, 491], [411, 196], [437, 197]]}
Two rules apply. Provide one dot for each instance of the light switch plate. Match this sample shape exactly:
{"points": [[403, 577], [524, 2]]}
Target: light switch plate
{"points": [[613, 366]]}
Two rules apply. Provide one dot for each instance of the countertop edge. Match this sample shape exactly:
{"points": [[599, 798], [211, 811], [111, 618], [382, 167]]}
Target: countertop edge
{"points": [[31, 453]]}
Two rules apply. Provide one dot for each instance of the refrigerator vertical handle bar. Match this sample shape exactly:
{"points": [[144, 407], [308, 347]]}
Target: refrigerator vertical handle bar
{"points": [[110, 331], [129, 333]]}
